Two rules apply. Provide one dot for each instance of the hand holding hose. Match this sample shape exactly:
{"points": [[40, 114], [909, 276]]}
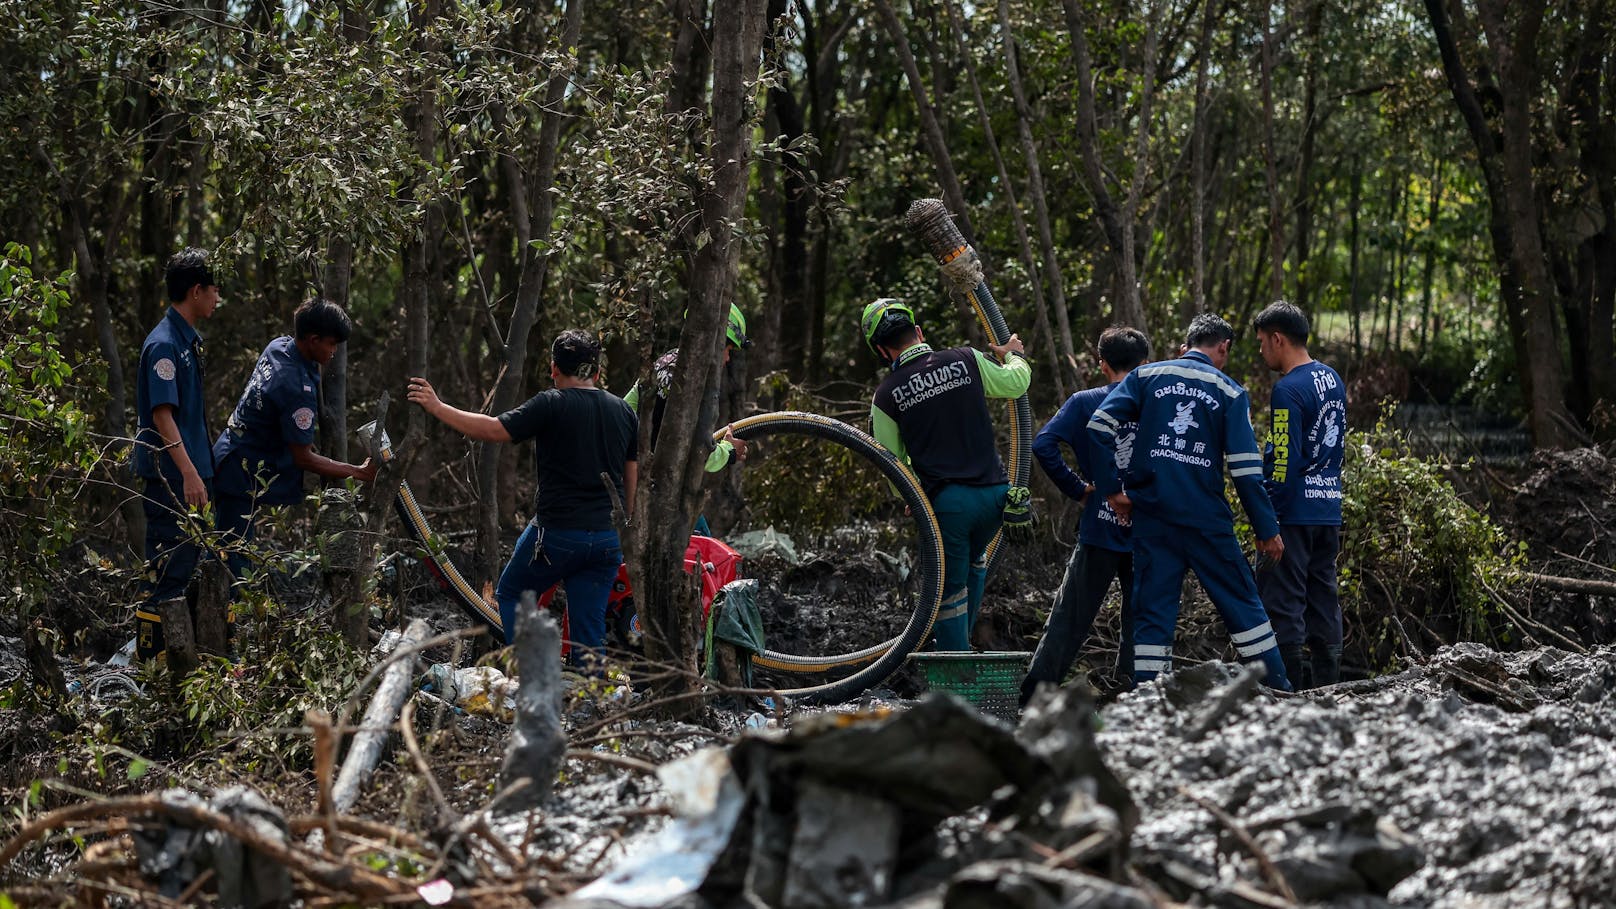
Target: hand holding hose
{"points": [[1012, 345]]}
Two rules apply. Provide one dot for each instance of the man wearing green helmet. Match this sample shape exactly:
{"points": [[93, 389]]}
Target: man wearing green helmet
{"points": [[932, 412], [662, 372]]}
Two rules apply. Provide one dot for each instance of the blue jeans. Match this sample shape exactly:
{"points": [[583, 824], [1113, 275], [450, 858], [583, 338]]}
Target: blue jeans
{"points": [[968, 516], [585, 561]]}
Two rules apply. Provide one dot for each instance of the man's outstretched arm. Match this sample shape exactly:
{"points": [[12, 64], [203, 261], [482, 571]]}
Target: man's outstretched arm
{"points": [[479, 427]]}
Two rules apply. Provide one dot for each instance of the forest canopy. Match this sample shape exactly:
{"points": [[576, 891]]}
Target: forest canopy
{"points": [[1434, 183]]}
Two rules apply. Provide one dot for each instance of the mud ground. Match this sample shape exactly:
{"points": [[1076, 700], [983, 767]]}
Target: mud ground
{"points": [[1494, 768]]}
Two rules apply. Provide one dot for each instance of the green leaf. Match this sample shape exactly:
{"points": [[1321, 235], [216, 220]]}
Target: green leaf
{"points": [[137, 769]]}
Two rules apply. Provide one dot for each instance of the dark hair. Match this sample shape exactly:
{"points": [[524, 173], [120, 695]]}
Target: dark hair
{"points": [[1286, 318], [187, 269], [1206, 329], [323, 318], [576, 353], [1123, 348], [894, 330]]}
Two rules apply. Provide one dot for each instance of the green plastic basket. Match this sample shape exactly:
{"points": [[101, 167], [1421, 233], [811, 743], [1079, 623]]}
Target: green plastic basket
{"points": [[990, 681]]}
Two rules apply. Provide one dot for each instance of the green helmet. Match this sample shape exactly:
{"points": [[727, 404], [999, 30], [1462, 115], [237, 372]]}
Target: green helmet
{"points": [[735, 331], [884, 315]]}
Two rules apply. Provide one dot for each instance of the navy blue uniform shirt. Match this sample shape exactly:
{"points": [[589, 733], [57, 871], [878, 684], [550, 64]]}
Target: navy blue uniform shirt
{"points": [[278, 410], [171, 373], [1306, 446], [1191, 418], [1100, 526]]}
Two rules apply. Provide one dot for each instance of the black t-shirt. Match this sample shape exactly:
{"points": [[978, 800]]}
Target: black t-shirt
{"points": [[581, 432], [937, 400]]}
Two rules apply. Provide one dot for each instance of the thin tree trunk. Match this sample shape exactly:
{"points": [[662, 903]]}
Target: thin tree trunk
{"points": [[1433, 214], [668, 603], [1035, 191], [532, 211], [416, 290], [690, 48], [1203, 65], [1394, 309], [1132, 310], [1018, 222], [338, 275], [1595, 296], [1387, 261], [931, 129], [1304, 166], [1525, 290], [1088, 131], [1515, 50], [1354, 203], [1276, 241]]}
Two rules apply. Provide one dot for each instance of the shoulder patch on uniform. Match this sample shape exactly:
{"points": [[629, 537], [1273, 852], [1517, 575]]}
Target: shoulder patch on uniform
{"points": [[164, 369], [303, 417]]}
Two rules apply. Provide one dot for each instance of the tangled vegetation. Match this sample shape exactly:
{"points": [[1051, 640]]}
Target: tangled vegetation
{"points": [[1417, 560]]}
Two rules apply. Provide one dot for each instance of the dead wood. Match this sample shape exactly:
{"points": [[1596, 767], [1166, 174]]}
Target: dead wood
{"points": [[1572, 585], [213, 608], [1270, 871], [179, 637], [537, 738], [311, 866], [368, 742]]}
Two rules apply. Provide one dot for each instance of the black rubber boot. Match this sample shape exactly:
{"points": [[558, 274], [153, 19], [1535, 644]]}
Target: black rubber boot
{"points": [[1291, 654], [1325, 663]]}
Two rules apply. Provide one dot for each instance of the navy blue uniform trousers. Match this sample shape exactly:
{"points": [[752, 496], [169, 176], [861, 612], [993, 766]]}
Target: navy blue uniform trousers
{"points": [[1089, 573], [1162, 553]]}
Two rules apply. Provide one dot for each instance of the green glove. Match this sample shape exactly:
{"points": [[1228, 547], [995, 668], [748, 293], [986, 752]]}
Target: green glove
{"points": [[1018, 522]]}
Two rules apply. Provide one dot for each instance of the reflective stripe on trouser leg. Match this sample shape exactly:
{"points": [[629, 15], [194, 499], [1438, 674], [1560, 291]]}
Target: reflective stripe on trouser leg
{"points": [[1227, 578], [1158, 577], [1152, 658], [954, 622], [967, 517]]}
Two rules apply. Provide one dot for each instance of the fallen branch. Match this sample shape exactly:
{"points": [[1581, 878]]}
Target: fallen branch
{"points": [[1270, 872], [1095, 844], [1528, 625], [377, 724], [617, 760], [316, 869], [406, 726], [1572, 585], [400, 652]]}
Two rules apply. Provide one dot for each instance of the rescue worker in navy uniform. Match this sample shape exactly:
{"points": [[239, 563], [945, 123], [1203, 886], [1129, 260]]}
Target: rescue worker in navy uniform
{"points": [[269, 441], [1302, 464], [1192, 418], [581, 432], [1105, 546], [932, 412], [172, 454], [662, 372]]}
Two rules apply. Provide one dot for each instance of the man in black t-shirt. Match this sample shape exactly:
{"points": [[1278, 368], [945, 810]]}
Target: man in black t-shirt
{"points": [[582, 432]]}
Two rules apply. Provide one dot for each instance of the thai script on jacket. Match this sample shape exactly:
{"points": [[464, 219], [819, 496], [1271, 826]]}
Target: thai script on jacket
{"points": [[923, 386]]}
